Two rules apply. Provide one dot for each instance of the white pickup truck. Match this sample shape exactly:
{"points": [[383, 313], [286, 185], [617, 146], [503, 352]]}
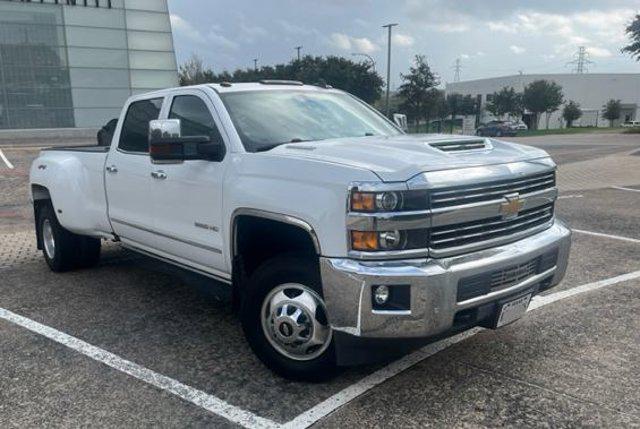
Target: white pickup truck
{"points": [[341, 238]]}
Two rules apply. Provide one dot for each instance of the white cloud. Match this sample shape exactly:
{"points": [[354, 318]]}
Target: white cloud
{"points": [[364, 45], [250, 33], [182, 27], [293, 28], [345, 42], [591, 27], [220, 41], [361, 22], [341, 41], [449, 28], [465, 56], [517, 49], [598, 52], [402, 39]]}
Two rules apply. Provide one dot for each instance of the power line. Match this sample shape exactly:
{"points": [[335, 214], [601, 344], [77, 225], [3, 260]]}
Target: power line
{"points": [[581, 61], [457, 67]]}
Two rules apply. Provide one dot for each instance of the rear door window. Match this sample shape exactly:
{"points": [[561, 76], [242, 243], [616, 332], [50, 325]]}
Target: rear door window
{"points": [[134, 136]]}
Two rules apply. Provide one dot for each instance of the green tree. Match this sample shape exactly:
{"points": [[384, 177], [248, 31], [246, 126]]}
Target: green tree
{"points": [[358, 78], [612, 110], [571, 112], [505, 102], [442, 108], [193, 72], [542, 96], [417, 91], [633, 32]]}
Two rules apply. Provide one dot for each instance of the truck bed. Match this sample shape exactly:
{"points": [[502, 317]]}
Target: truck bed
{"points": [[74, 177]]}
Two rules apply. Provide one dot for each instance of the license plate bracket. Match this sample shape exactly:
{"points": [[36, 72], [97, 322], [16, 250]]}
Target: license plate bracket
{"points": [[511, 309]]}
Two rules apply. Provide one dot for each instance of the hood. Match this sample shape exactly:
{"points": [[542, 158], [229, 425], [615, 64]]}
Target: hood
{"points": [[399, 158]]}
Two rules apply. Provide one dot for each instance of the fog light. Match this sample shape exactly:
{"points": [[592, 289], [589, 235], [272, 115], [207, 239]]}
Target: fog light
{"points": [[381, 294]]}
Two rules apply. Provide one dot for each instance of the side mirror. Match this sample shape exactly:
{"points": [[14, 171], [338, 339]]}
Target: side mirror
{"points": [[400, 120], [167, 145]]}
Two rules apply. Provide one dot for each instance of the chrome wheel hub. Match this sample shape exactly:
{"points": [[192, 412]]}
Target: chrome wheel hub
{"points": [[47, 239], [294, 321]]}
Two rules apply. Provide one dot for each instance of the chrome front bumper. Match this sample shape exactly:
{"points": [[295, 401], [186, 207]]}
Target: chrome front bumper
{"points": [[433, 284]]}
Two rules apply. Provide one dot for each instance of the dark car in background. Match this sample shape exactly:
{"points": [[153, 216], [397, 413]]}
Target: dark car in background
{"points": [[496, 129]]}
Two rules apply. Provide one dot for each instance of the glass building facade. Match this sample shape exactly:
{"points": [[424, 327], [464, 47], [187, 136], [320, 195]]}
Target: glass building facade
{"points": [[73, 63]]}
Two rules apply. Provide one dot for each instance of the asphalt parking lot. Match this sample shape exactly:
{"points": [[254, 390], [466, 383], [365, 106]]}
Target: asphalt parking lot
{"points": [[134, 343]]}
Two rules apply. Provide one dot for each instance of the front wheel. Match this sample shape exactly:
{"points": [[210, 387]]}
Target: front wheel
{"points": [[285, 320]]}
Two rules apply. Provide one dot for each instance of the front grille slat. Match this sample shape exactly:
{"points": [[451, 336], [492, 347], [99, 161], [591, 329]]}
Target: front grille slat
{"points": [[435, 244], [453, 239], [526, 189], [456, 196], [490, 223], [484, 283]]}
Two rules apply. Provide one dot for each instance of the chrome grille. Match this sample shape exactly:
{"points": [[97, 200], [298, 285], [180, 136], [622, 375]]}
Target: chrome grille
{"points": [[460, 195], [451, 237], [513, 275], [482, 284], [456, 146]]}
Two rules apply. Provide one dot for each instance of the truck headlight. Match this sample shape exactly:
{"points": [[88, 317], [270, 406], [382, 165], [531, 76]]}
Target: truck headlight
{"points": [[388, 201]]}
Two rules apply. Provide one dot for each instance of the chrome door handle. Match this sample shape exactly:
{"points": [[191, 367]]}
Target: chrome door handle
{"points": [[112, 169], [161, 175]]}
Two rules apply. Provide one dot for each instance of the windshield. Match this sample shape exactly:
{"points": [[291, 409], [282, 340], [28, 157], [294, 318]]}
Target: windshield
{"points": [[265, 119]]}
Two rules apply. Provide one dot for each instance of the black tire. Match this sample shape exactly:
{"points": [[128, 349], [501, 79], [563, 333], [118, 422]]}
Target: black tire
{"points": [[277, 271], [71, 250]]}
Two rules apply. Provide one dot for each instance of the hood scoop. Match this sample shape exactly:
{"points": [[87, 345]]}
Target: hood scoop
{"points": [[461, 145]]}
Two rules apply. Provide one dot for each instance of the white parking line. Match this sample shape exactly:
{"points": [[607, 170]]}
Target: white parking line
{"points": [[350, 393], [600, 234], [622, 188], [562, 197], [201, 399], [6, 161], [248, 419]]}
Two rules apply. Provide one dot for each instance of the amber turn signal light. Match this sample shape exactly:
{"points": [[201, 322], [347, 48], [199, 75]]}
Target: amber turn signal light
{"points": [[363, 201], [364, 240]]}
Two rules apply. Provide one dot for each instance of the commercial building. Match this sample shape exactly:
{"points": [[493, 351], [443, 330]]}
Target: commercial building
{"points": [[73, 63], [590, 90]]}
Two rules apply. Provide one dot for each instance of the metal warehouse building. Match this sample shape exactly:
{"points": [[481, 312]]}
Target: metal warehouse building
{"points": [[72, 63], [591, 91]]}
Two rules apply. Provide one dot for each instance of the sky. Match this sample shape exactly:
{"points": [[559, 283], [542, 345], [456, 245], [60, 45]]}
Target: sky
{"points": [[490, 37]]}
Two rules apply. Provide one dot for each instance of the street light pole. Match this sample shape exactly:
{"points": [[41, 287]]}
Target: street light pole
{"points": [[255, 64], [297, 48], [388, 27], [369, 57]]}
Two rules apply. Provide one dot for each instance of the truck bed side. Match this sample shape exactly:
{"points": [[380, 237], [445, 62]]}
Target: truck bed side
{"points": [[74, 180]]}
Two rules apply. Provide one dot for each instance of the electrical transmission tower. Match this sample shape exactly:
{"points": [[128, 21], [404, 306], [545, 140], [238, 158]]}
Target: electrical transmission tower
{"points": [[581, 61], [457, 67]]}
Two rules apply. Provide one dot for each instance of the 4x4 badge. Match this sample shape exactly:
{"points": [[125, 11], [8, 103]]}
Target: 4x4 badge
{"points": [[510, 208]]}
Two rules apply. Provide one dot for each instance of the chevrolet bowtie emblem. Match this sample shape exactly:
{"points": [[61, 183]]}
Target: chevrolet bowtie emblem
{"points": [[512, 206]]}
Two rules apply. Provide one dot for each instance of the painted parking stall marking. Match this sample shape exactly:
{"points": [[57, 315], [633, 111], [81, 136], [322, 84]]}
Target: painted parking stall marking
{"points": [[248, 419], [197, 397], [602, 235], [622, 188], [6, 160]]}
